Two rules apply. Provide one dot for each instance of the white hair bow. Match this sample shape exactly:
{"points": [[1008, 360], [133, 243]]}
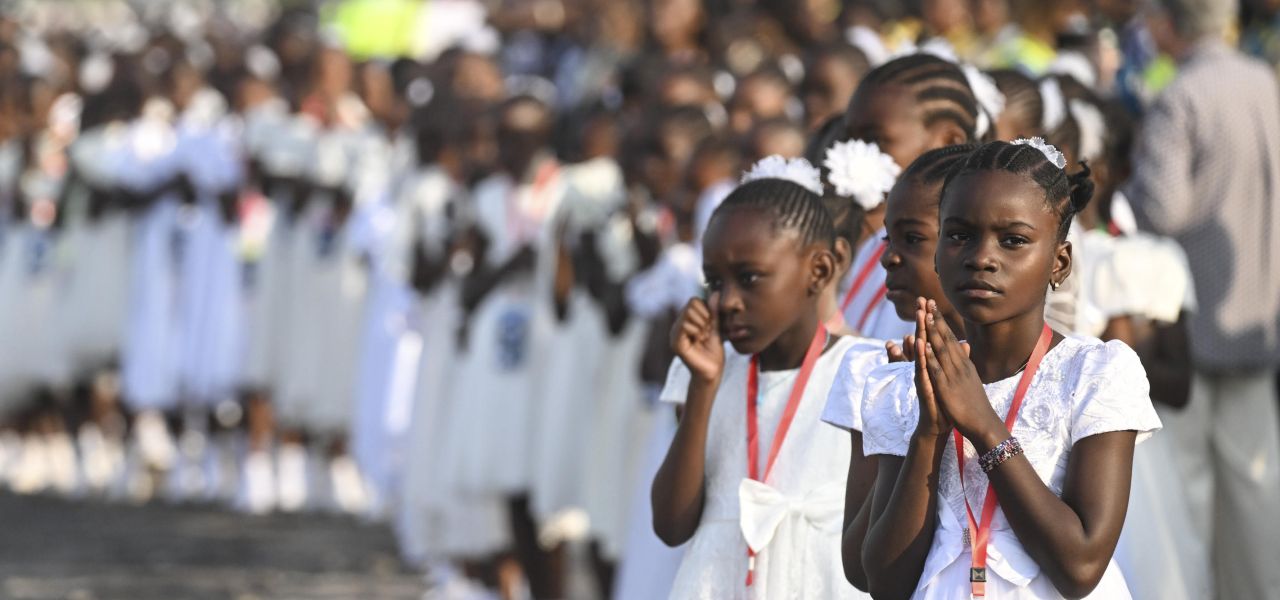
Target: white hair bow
{"points": [[859, 170], [796, 170]]}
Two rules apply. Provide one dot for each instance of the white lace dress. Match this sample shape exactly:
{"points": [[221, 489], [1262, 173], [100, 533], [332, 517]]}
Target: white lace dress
{"points": [[1083, 388], [844, 403], [796, 514]]}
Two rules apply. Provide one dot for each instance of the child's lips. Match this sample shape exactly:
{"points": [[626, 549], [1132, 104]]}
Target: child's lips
{"points": [[737, 333]]}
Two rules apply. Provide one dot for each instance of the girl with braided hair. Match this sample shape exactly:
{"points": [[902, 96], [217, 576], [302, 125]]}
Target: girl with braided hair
{"points": [[906, 107], [1004, 461], [748, 481]]}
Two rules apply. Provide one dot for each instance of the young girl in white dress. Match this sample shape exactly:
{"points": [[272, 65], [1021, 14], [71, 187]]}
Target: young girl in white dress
{"points": [[911, 223], [1041, 523], [749, 481]]}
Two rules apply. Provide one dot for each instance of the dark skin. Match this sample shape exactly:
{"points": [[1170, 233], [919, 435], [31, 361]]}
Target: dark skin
{"points": [[890, 116], [765, 286], [1000, 249], [911, 221], [1165, 352]]}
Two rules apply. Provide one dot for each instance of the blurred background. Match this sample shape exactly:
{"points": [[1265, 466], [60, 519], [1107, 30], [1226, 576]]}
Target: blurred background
{"points": [[369, 298]]}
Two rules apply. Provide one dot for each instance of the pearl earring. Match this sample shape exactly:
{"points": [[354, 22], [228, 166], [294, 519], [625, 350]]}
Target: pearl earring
{"points": [[1054, 285]]}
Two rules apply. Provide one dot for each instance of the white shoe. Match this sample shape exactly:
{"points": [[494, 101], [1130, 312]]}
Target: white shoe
{"points": [[96, 463], [348, 486], [64, 472], [31, 474], [155, 444], [291, 475], [257, 493]]}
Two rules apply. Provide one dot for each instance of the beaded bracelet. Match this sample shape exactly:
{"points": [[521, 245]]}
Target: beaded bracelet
{"points": [[1002, 452]]}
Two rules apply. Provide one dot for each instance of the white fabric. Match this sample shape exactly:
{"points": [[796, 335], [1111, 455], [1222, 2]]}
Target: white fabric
{"points": [[668, 284], [708, 201], [29, 299], [567, 405], [505, 332], [844, 403], [1083, 388], [802, 556], [882, 321], [648, 567], [319, 360]]}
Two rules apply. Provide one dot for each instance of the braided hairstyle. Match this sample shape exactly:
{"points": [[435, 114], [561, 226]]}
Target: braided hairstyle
{"points": [[933, 166], [1022, 98], [1066, 194], [787, 204], [938, 85]]}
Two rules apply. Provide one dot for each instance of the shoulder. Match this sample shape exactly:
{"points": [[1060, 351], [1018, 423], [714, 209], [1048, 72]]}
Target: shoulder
{"points": [[1109, 389], [858, 357], [890, 409]]}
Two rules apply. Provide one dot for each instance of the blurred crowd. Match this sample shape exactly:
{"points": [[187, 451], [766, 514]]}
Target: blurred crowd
{"points": [[417, 260]]}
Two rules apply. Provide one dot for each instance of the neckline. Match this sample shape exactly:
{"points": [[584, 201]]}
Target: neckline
{"points": [[1013, 379]]}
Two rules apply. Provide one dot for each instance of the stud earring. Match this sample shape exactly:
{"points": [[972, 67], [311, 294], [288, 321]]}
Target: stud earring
{"points": [[1054, 285]]}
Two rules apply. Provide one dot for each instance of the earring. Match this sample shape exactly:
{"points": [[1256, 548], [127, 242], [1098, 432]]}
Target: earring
{"points": [[1053, 285]]}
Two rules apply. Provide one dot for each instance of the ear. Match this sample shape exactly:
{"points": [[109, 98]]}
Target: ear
{"points": [[843, 254], [822, 269], [1061, 263]]}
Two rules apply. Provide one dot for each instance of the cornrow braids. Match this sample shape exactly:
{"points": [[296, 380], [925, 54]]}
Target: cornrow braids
{"points": [[933, 166], [1022, 96], [789, 206], [939, 86], [1066, 194]]}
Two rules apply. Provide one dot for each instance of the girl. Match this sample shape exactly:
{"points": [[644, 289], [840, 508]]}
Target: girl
{"points": [[911, 220], [1062, 503], [907, 106], [767, 261]]}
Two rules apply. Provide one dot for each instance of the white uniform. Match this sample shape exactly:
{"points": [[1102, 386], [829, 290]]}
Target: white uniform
{"points": [[1083, 388], [794, 518]]}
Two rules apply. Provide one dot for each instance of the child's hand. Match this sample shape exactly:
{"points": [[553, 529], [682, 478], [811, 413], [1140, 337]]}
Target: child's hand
{"points": [[695, 338], [959, 388], [904, 353], [933, 421]]}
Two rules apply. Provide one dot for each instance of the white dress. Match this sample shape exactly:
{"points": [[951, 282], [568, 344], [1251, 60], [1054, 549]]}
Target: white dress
{"points": [[318, 385], [97, 281], [881, 322], [1083, 388], [794, 517], [211, 293], [844, 403], [506, 338], [1147, 277], [150, 357]]}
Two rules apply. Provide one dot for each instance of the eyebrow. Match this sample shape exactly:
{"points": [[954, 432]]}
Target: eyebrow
{"points": [[1006, 224], [910, 221]]}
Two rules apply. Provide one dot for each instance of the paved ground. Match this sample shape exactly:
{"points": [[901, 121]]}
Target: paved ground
{"points": [[52, 548]]}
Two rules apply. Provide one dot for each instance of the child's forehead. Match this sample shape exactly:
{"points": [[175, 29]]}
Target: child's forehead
{"points": [[992, 193], [742, 230]]}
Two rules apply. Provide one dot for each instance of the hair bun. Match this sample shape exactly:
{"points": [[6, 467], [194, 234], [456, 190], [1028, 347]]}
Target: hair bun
{"points": [[1080, 185]]}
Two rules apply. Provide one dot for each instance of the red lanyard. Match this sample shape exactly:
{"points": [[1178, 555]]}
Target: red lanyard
{"points": [[788, 414], [861, 279], [978, 540]]}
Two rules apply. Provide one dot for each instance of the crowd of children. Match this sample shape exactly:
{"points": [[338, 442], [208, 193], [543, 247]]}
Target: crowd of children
{"points": [[509, 294]]}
